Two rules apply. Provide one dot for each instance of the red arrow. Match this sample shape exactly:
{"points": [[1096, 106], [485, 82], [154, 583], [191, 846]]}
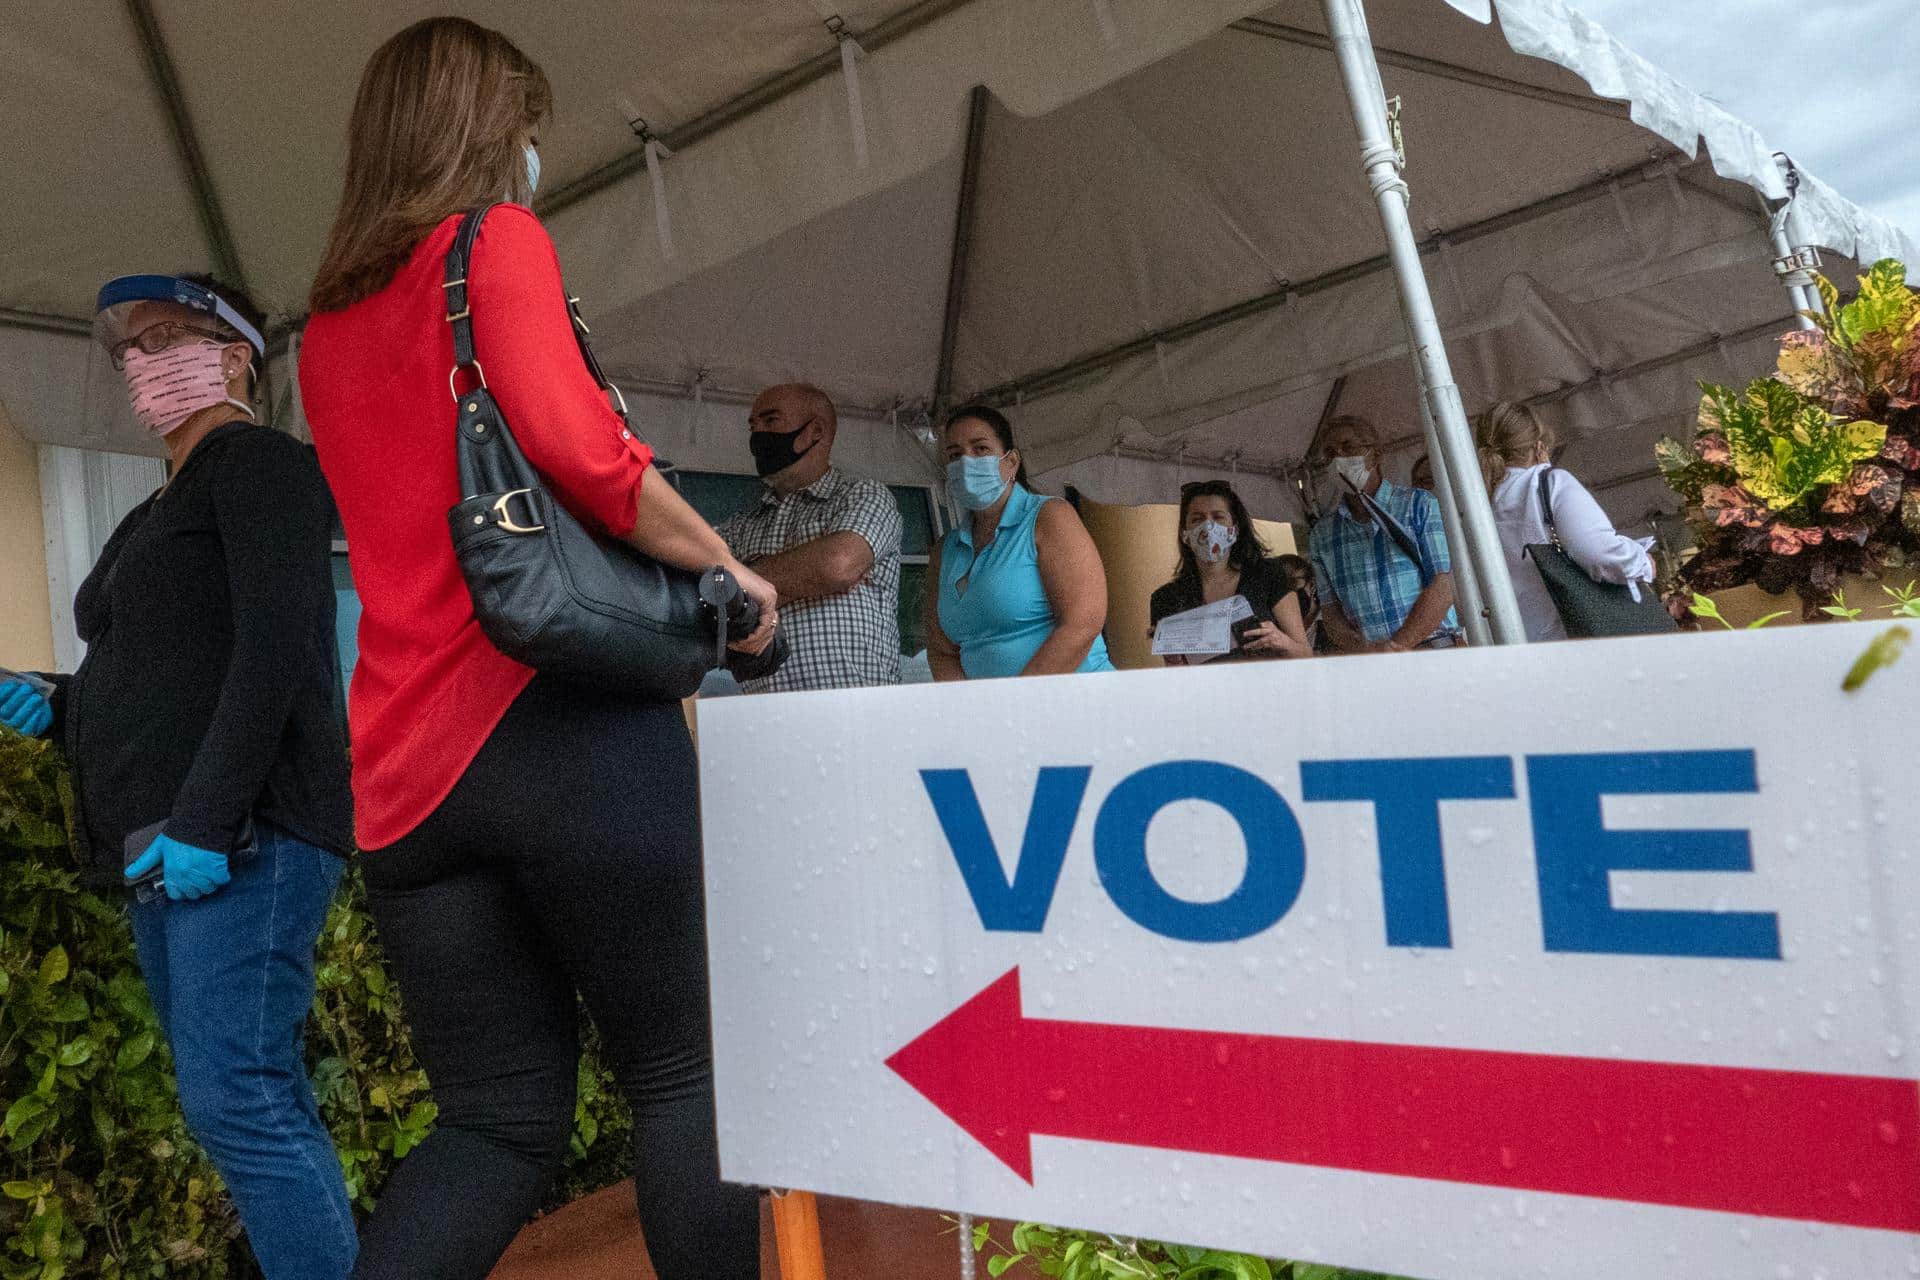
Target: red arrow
{"points": [[1779, 1144]]}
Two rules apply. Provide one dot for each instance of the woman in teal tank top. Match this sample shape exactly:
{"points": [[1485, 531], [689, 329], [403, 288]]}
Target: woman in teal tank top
{"points": [[1020, 590]]}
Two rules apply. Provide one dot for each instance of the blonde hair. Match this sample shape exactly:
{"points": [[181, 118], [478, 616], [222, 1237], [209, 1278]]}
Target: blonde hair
{"points": [[437, 127], [1508, 435]]}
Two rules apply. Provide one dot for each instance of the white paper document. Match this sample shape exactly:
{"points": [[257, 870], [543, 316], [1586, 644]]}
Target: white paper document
{"points": [[1206, 632]]}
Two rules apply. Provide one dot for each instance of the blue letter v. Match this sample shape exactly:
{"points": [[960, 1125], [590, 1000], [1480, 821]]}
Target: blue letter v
{"points": [[1019, 906]]}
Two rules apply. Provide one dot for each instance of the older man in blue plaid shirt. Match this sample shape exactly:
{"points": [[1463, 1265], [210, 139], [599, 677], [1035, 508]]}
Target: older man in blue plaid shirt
{"points": [[1380, 559]]}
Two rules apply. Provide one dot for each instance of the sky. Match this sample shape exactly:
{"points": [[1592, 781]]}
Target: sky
{"points": [[1834, 83]]}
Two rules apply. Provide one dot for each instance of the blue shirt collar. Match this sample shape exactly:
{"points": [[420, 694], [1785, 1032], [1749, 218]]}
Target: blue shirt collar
{"points": [[1021, 501], [1385, 495]]}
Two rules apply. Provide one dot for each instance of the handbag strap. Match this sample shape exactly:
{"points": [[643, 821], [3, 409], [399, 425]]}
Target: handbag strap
{"points": [[1398, 533], [1546, 508], [455, 282]]}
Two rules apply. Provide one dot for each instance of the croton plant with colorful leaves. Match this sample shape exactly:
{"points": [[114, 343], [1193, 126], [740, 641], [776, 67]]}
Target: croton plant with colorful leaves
{"points": [[1812, 475]]}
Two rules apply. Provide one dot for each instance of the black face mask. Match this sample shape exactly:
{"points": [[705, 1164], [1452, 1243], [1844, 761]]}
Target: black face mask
{"points": [[773, 451]]}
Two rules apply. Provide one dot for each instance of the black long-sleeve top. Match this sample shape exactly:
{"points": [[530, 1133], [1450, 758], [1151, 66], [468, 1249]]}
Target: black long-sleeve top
{"points": [[208, 693]]}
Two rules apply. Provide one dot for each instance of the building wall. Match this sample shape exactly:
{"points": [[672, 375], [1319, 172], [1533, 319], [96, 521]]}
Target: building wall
{"points": [[26, 626]]}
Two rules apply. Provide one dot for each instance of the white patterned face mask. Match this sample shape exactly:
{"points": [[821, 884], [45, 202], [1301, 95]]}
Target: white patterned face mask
{"points": [[1210, 540]]}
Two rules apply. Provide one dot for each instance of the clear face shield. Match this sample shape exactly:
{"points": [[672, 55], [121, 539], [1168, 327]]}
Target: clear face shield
{"points": [[123, 312], [165, 335]]}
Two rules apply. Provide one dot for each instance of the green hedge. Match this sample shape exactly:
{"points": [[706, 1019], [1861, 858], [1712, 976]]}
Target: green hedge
{"points": [[98, 1176]]}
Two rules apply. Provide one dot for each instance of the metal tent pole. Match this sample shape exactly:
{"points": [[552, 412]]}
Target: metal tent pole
{"points": [[964, 208], [1791, 264], [1468, 598], [1380, 158]]}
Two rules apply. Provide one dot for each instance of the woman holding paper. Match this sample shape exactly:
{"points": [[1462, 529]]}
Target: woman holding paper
{"points": [[1021, 591], [1221, 560]]}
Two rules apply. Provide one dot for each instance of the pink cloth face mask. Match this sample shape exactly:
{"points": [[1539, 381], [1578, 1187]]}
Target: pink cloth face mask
{"points": [[170, 386]]}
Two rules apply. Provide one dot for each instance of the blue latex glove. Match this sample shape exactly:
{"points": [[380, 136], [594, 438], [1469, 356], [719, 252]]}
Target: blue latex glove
{"points": [[23, 710], [186, 871]]}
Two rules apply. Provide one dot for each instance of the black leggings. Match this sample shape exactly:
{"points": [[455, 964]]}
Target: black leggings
{"points": [[566, 859]]}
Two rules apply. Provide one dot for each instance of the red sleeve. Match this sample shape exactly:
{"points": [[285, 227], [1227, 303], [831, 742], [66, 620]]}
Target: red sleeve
{"points": [[524, 339]]}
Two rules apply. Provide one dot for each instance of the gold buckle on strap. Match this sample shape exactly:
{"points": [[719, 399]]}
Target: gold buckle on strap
{"points": [[503, 518]]}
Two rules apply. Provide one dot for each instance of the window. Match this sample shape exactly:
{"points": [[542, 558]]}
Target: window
{"points": [[717, 495], [346, 613]]}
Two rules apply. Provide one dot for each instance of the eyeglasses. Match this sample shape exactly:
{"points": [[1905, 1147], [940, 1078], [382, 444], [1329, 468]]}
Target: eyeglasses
{"points": [[156, 338]]}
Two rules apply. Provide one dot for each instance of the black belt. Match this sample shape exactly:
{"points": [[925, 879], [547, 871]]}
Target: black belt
{"points": [[1444, 640]]}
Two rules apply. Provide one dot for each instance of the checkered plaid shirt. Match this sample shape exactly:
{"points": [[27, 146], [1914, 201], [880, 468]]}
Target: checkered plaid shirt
{"points": [[1357, 563], [840, 642]]}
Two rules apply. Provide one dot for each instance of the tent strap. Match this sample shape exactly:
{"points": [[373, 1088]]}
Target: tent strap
{"points": [[764, 94]]}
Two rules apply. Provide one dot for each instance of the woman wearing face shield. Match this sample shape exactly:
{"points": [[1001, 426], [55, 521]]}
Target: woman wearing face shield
{"points": [[209, 754], [1020, 588], [1221, 556]]}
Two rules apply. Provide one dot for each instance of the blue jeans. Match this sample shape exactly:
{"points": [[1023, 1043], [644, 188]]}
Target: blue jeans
{"points": [[231, 976]]}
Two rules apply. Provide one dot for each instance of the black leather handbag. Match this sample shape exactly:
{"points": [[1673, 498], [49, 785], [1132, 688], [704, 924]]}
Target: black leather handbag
{"points": [[1589, 608], [552, 594]]}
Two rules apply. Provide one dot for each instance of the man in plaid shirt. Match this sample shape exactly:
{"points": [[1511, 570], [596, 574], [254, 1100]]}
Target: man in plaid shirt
{"points": [[829, 541], [1376, 594]]}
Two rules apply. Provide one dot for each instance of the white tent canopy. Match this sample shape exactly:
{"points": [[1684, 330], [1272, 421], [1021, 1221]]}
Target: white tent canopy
{"points": [[1170, 252]]}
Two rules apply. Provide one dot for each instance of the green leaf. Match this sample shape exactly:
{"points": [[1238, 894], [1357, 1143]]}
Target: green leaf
{"points": [[1765, 619], [70, 1007], [999, 1264], [76, 1051], [24, 1109], [1705, 607], [1881, 654], [54, 967], [25, 1190], [1882, 305], [135, 1050]]}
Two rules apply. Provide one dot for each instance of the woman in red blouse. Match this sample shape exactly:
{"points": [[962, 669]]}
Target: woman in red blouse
{"points": [[525, 840]]}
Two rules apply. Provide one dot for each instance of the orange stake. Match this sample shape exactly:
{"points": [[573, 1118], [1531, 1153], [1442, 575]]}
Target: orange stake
{"points": [[796, 1233]]}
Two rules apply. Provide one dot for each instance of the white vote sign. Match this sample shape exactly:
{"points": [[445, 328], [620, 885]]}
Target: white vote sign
{"points": [[1575, 960]]}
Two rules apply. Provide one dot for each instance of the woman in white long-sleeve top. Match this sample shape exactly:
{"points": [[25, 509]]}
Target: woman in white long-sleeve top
{"points": [[1515, 447]]}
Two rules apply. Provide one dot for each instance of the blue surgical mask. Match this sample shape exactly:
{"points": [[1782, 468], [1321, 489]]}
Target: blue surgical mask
{"points": [[533, 168], [974, 484]]}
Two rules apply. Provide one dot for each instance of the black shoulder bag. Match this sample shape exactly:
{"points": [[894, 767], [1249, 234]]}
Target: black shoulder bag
{"points": [[552, 594], [1589, 608]]}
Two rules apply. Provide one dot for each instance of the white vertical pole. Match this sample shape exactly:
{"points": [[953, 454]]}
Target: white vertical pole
{"points": [[1480, 541], [1468, 600], [1780, 226]]}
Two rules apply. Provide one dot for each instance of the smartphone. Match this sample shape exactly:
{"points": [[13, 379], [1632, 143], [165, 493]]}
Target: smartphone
{"points": [[153, 884], [149, 886], [42, 687]]}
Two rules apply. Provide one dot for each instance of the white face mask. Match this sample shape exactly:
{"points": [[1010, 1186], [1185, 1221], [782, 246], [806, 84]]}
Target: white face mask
{"points": [[1210, 540], [1354, 470], [533, 168], [1331, 482]]}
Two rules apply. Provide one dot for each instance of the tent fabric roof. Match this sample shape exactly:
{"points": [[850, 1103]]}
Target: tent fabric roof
{"points": [[1185, 182]]}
